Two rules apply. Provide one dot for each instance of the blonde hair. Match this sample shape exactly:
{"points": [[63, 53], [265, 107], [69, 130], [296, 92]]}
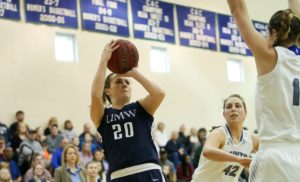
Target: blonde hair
{"points": [[52, 120], [1, 170], [64, 155]]}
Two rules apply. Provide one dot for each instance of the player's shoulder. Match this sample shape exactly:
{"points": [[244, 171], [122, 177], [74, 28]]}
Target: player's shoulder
{"points": [[218, 132]]}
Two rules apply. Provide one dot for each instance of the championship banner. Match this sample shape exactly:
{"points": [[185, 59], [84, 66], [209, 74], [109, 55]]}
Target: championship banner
{"points": [[261, 27], [52, 12], [105, 16], [10, 9], [197, 28], [153, 20], [230, 38]]}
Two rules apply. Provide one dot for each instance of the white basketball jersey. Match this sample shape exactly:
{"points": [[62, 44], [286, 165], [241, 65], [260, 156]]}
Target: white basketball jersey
{"points": [[277, 100], [211, 171]]}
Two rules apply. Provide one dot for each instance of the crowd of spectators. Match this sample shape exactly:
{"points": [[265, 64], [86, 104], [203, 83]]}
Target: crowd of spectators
{"points": [[52, 154]]}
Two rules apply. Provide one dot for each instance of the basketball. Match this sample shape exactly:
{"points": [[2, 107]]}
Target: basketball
{"points": [[124, 58]]}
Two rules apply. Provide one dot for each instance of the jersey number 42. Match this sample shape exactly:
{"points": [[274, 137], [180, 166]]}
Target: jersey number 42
{"points": [[231, 170]]}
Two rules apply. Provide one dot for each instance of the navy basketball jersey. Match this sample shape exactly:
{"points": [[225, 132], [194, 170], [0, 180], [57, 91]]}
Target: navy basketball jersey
{"points": [[126, 135]]}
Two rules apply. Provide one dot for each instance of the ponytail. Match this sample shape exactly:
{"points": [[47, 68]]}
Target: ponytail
{"points": [[287, 26]]}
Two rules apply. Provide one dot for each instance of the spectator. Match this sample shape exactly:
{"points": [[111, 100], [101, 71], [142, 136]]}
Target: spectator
{"points": [[20, 116], [86, 130], [53, 140], [102, 177], [56, 156], [174, 148], [27, 149], [99, 157], [38, 159], [160, 136], [170, 170], [5, 175], [2, 146], [75, 142], [12, 165], [68, 131], [19, 137], [88, 138], [47, 155], [202, 133], [86, 154], [93, 170], [202, 138], [52, 121], [70, 170], [166, 170], [38, 173], [4, 131], [185, 169], [192, 142], [40, 135], [181, 135]]}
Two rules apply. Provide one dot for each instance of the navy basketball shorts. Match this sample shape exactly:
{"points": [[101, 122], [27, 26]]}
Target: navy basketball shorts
{"points": [[154, 175]]}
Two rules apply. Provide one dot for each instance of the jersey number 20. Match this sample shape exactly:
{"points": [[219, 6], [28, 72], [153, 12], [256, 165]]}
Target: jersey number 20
{"points": [[127, 127]]}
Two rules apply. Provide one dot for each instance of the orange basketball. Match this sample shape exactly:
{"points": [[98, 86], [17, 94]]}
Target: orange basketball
{"points": [[124, 58]]}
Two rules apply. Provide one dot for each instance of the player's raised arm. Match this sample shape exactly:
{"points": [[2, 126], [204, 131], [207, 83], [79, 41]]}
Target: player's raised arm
{"points": [[156, 94], [294, 5], [262, 50], [97, 105]]}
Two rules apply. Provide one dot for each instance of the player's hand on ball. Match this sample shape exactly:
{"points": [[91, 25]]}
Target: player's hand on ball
{"points": [[108, 50], [129, 73]]}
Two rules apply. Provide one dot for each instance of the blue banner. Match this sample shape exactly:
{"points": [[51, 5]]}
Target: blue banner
{"points": [[261, 27], [105, 16], [52, 12], [197, 28], [230, 38], [153, 20], [10, 9]]}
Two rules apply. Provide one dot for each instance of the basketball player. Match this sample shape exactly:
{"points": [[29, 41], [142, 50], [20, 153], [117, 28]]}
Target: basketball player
{"points": [[277, 93], [227, 149], [125, 127]]}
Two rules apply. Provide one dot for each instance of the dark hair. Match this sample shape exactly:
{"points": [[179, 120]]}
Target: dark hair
{"points": [[287, 26], [32, 131], [214, 127], [105, 97], [65, 124], [202, 130], [19, 112], [237, 96], [162, 150]]}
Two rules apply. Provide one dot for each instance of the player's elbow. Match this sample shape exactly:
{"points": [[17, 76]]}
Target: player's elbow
{"points": [[162, 94], [159, 94], [206, 152]]}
